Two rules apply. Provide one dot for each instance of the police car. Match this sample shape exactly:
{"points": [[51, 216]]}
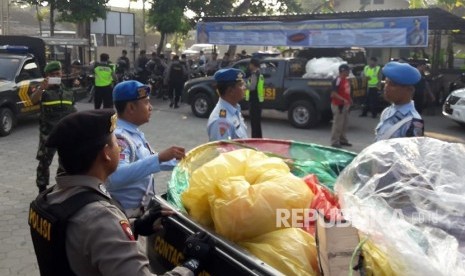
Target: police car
{"points": [[20, 73], [454, 106]]}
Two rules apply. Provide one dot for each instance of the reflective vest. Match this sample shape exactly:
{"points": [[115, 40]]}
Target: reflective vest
{"points": [[260, 89], [103, 74], [372, 72], [57, 103]]}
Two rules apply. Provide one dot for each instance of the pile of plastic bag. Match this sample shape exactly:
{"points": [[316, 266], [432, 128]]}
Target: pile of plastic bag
{"points": [[325, 67], [407, 196], [238, 194], [236, 187]]}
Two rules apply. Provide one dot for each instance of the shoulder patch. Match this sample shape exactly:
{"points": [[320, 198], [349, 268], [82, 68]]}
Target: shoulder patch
{"points": [[127, 229], [222, 113]]}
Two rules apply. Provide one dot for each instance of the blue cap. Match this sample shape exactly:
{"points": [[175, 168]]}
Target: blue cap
{"points": [[401, 73], [228, 75], [130, 91]]}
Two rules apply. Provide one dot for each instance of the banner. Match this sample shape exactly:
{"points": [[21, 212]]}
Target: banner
{"points": [[371, 32]]}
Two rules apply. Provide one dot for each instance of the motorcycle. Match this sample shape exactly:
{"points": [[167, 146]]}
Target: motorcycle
{"points": [[457, 83], [157, 88]]}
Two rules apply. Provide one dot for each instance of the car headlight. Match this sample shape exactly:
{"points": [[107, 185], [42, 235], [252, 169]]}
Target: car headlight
{"points": [[461, 101]]}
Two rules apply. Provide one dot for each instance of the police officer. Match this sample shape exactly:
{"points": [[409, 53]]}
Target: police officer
{"points": [[400, 119], [98, 238], [56, 101], [175, 78], [104, 76], [132, 183], [255, 94], [372, 72], [226, 121]]}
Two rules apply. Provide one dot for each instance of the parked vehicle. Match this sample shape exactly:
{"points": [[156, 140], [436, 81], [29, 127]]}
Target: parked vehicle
{"points": [[307, 101], [454, 106]]}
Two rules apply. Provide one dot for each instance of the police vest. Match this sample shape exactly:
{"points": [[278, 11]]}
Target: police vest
{"points": [[57, 102], [373, 74], [48, 223], [103, 74], [260, 89]]}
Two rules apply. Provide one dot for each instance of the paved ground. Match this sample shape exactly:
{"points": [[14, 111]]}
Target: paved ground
{"points": [[167, 127]]}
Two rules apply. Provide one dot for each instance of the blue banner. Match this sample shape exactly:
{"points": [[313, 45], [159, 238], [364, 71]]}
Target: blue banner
{"points": [[371, 32]]}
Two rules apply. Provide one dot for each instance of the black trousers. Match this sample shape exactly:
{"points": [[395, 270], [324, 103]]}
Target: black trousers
{"points": [[103, 94], [371, 102], [256, 118], [175, 91]]}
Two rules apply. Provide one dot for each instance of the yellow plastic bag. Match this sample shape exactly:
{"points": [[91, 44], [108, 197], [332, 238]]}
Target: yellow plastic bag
{"points": [[376, 263], [226, 165], [292, 251], [243, 211]]}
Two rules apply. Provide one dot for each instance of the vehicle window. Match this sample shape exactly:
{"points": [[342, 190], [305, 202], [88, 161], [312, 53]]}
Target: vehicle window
{"points": [[29, 71], [243, 66], [8, 68], [268, 69], [296, 68]]}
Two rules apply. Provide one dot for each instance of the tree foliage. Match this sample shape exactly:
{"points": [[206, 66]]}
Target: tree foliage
{"points": [[167, 16], [242, 7], [81, 10], [72, 11]]}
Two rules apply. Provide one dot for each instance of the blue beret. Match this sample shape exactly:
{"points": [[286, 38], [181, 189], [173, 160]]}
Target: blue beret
{"points": [[228, 75], [401, 73], [130, 91]]}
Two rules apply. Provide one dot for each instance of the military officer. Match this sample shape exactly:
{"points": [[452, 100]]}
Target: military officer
{"points": [[56, 101], [132, 183], [400, 119], [99, 240], [226, 121]]}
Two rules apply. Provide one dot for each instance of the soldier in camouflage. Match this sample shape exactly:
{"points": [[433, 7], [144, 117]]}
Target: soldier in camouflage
{"points": [[56, 101]]}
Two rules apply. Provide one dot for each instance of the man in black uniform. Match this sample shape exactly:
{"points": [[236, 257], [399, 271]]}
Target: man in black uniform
{"points": [[98, 239], [141, 70], [255, 94], [175, 78], [122, 65]]}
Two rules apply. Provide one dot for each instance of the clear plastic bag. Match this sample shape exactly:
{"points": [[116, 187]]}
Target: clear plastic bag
{"points": [[408, 196]]}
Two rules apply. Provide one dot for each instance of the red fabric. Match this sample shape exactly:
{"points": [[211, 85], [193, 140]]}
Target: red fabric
{"points": [[342, 86], [324, 202]]}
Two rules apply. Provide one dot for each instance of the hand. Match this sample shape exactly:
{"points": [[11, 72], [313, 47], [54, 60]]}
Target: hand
{"points": [[174, 152], [198, 246], [150, 221]]}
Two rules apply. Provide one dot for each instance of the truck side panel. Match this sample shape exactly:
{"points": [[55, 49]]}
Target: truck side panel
{"points": [[165, 250]]}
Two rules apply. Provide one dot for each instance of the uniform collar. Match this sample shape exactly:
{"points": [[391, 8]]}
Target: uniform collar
{"points": [[229, 107], [127, 126], [70, 181], [404, 108]]}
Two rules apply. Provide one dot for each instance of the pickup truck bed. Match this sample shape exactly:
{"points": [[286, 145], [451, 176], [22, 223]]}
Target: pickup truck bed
{"points": [[164, 250]]}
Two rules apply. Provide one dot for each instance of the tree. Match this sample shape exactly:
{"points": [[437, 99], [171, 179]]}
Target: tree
{"points": [[167, 16], [243, 7], [73, 11]]}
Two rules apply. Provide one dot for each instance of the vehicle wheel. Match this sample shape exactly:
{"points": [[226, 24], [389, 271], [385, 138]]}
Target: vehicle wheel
{"points": [[302, 114], [202, 105], [7, 121]]}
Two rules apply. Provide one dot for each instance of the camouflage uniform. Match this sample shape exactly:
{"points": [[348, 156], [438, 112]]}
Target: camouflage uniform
{"points": [[55, 104]]}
